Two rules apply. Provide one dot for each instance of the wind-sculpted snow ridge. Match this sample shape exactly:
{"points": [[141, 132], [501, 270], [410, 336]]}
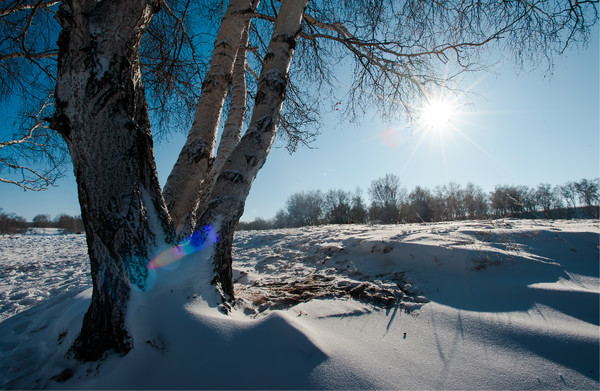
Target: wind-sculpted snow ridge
{"points": [[504, 304]]}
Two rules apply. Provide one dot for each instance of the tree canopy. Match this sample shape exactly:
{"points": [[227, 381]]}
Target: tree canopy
{"points": [[398, 51]]}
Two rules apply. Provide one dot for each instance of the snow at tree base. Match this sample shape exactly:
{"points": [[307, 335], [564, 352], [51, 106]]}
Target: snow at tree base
{"points": [[504, 304]]}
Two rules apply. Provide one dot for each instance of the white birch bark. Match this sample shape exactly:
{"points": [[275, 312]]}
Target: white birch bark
{"points": [[102, 114], [184, 184], [232, 131], [231, 188]]}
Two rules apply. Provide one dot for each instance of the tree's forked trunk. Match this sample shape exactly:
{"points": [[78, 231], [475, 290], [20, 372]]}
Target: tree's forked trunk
{"points": [[232, 130], [102, 114], [230, 190], [184, 185]]}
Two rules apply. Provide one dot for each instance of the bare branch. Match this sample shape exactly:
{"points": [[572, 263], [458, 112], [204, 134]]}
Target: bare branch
{"points": [[35, 159], [19, 6], [397, 48], [28, 55], [173, 68]]}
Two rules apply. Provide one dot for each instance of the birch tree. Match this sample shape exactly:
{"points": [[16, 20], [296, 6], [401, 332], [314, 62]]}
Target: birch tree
{"points": [[232, 186], [393, 48], [102, 114], [396, 49]]}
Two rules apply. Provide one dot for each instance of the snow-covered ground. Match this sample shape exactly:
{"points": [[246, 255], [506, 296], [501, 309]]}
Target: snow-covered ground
{"points": [[505, 304], [42, 264]]}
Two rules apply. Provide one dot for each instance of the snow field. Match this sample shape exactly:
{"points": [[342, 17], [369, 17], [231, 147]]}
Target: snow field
{"points": [[508, 304], [40, 265]]}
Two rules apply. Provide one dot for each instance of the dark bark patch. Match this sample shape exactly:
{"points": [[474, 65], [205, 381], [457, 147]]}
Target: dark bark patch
{"points": [[261, 97], [273, 85], [247, 11], [197, 151], [268, 57], [94, 348], [63, 376], [251, 160], [136, 271], [223, 45], [289, 39], [233, 177], [61, 337], [60, 122], [103, 327], [263, 125], [216, 81], [65, 19]]}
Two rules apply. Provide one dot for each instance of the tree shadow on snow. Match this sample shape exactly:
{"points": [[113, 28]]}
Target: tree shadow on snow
{"points": [[486, 280]]}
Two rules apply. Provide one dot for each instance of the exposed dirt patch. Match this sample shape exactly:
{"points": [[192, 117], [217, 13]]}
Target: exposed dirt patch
{"points": [[272, 294]]}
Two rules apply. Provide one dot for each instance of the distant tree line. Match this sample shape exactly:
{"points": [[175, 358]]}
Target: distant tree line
{"points": [[390, 203], [11, 223]]}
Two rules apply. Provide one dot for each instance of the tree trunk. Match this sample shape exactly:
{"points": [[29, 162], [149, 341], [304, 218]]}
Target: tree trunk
{"points": [[102, 114], [232, 130], [183, 187], [231, 188]]}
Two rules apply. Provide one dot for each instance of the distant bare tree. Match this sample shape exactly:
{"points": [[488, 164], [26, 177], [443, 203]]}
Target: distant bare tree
{"points": [[545, 198], [41, 221], [476, 202], [337, 206], [305, 208], [10, 223], [420, 205], [508, 200], [387, 197], [256, 225], [588, 192], [358, 210], [449, 202], [569, 193], [281, 219], [69, 224], [529, 199]]}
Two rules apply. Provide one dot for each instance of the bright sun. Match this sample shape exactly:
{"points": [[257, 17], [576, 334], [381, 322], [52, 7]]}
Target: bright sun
{"points": [[436, 115]]}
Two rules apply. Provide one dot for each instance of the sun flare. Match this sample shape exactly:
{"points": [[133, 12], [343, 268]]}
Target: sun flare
{"points": [[437, 114]]}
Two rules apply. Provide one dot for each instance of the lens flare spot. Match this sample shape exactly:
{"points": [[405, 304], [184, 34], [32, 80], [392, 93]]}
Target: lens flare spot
{"points": [[197, 241], [391, 137]]}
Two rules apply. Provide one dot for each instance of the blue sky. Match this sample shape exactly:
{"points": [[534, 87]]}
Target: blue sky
{"points": [[515, 128]]}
